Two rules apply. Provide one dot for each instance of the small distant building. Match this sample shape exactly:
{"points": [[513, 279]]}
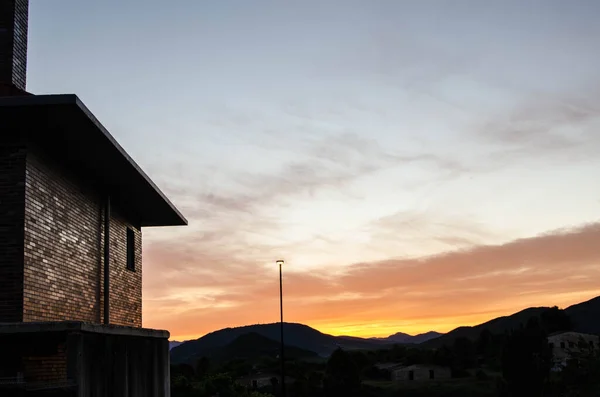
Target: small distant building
{"points": [[257, 381], [565, 345], [388, 366], [419, 372]]}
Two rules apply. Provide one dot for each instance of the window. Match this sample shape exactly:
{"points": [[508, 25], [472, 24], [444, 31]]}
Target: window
{"points": [[551, 346], [592, 344], [411, 375], [130, 250], [562, 345], [431, 374], [571, 345]]}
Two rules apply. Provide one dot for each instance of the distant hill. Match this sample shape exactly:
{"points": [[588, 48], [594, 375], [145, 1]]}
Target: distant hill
{"points": [[297, 335], [585, 317], [174, 343], [402, 338], [253, 346]]}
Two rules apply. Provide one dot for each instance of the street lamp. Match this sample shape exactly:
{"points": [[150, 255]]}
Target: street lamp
{"points": [[280, 263]]}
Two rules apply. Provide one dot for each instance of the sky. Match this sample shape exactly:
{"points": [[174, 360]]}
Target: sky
{"points": [[419, 165]]}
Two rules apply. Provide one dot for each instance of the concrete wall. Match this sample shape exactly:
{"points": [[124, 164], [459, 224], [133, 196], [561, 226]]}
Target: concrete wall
{"points": [[63, 235], [12, 196], [119, 366], [39, 359], [86, 364]]}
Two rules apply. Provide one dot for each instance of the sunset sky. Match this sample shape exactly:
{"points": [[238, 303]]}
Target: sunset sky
{"points": [[419, 165]]}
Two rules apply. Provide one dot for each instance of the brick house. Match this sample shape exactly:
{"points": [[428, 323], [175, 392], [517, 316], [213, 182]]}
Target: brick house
{"points": [[72, 208]]}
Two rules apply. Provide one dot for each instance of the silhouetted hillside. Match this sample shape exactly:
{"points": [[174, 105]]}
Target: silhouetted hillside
{"points": [[402, 338], [585, 317], [252, 346], [174, 343], [297, 335]]}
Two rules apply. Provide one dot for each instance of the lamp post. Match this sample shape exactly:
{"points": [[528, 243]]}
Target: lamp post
{"points": [[281, 356]]}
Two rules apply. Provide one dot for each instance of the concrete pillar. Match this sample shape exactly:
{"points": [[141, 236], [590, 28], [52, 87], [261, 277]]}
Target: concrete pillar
{"points": [[75, 362], [165, 363], [121, 383]]}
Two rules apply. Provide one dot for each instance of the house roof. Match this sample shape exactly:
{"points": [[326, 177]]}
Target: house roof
{"points": [[419, 366], [571, 333], [68, 129], [388, 366]]}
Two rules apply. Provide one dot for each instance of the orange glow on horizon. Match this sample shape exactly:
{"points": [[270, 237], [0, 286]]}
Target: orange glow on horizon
{"points": [[379, 299]]}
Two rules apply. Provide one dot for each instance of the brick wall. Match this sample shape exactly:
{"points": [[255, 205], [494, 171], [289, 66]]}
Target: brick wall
{"points": [[63, 269], [12, 194], [13, 42], [46, 368], [125, 285]]}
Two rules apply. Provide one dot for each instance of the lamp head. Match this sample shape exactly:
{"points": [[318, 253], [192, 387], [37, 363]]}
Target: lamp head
{"points": [[279, 262]]}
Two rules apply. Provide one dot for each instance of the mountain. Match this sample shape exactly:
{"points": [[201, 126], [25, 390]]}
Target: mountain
{"points": [[297, 335], [252, 346], [403, 338], [174, 343], [585, 317]]}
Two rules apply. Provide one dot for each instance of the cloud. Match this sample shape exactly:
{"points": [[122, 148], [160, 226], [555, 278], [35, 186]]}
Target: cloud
{"points": [[468, 285], [543, 126], [220, 272]]}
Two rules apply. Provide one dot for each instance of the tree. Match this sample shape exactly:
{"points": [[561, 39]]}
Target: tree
{"points": [[360, 359], [342, 377], [527, 360], [581, 376], [465, 356], [443, 356], [555, 320], [484, 342], [202, 367]]}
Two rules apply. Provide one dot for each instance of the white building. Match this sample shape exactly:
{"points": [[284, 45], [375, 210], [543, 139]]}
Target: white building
{"points": [[565, 345]]}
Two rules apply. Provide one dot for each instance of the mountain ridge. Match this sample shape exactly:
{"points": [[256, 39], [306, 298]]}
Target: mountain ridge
{"points": [[252, 345], [295, 334], [584, 315]]}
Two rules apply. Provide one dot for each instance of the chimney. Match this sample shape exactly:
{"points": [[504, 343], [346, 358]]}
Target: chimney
{"points": [[13, 46]]}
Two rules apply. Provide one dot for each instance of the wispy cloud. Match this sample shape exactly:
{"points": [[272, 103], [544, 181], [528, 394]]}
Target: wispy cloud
{"points": [[356, 148], [545, 126], [445, 289]]}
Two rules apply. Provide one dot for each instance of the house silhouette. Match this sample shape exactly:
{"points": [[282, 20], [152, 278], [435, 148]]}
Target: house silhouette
{"points": [[72, 208]]}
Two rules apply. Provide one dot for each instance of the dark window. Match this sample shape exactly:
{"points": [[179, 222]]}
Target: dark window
{"points": [[571, 345], [130, 250], [592, 344], [551, 346], [431, 374], [562, 345], [411, 375]]}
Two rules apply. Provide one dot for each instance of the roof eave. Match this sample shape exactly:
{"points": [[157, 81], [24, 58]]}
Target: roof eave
{"points": [[174, 217]]}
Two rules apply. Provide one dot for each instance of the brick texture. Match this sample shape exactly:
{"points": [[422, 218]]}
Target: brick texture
{"points": [[47, 368], [13, 42], [12, 195], [63, 250]]}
